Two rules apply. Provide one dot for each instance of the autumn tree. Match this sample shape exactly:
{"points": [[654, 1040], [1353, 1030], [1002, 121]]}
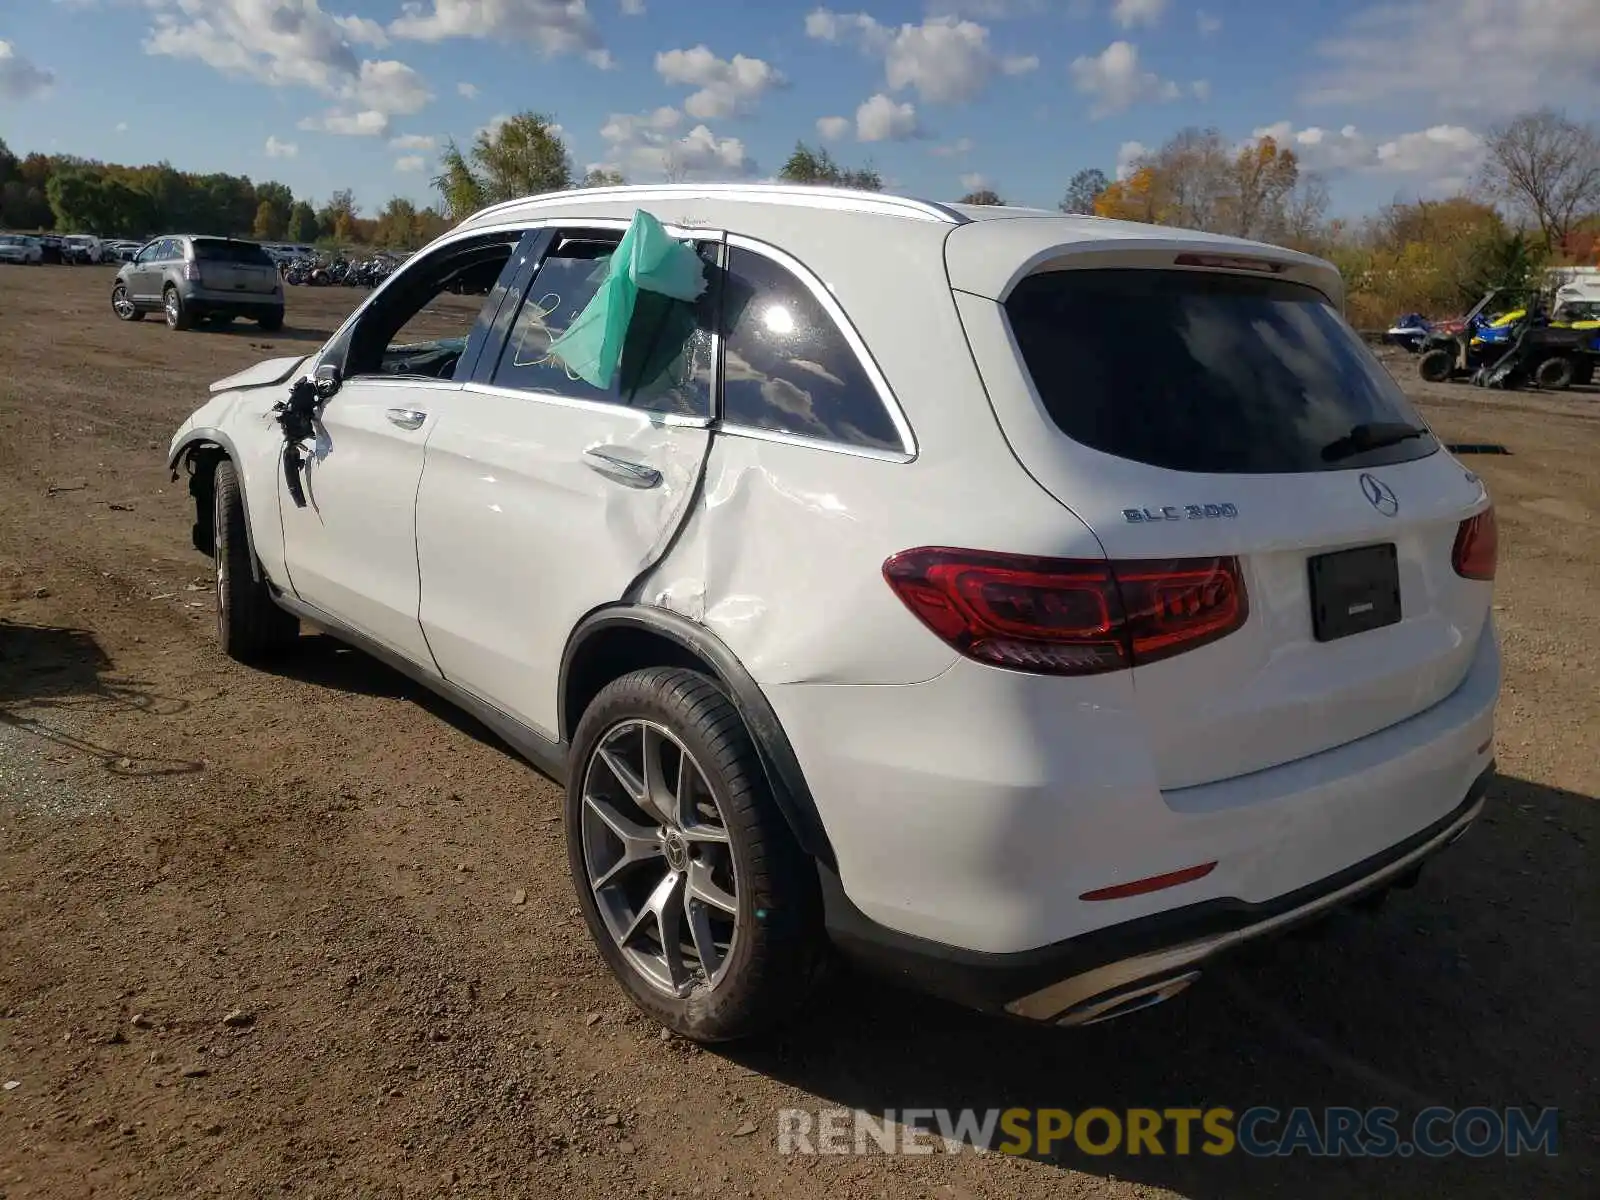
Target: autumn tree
{"points": [[1083, 190], [596, 177], [981, 196], [521, 156], [337, 218], [816, 166], [1546, 167], [303, 225]]}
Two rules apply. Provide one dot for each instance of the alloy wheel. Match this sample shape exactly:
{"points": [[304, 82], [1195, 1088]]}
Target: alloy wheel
{"points": [[658, 859], [121, 302]]}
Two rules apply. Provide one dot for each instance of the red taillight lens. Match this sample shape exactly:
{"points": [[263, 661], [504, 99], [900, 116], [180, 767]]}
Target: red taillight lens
{"points": [[1477, 547], [1059, 616], [191, 272]]}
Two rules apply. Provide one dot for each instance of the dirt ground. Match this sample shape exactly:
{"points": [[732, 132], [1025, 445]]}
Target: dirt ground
{"points": [[381, 890]]}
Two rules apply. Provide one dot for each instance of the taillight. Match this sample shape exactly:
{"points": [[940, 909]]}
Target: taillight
{"points": [[1477, 546], [1059, 616], [191, 272]]}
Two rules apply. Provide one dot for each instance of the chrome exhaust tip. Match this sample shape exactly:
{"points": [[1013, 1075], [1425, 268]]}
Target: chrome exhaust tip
{"points": [[1106, 1008]]}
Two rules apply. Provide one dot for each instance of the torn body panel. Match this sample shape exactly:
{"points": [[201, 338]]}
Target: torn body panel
{"points": [[243, 425], [263, 374], [557, 508], [777, 520]]}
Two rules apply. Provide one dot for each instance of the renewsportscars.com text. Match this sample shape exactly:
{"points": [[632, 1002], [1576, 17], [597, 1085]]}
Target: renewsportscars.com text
{"points": [[1258, 1132]]}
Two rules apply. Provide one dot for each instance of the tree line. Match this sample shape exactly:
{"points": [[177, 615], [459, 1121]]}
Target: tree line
{"points": [[68, 194]]}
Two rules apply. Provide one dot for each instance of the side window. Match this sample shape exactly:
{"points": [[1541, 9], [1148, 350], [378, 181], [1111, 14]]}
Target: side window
{"points": [[787, 367], [420, 324], [163, 250], [666, 357]]}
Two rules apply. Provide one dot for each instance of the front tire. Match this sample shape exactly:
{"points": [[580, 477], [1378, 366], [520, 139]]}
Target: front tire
{"points": [[695, 892], [1436, 366], [250, 627], [122, 304]]}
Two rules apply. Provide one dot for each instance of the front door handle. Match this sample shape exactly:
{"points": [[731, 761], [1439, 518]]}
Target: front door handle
{"points": [[407, 418], [621, 469]]}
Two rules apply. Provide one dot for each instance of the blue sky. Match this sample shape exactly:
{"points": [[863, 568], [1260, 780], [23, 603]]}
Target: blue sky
{"points": [[1384, 97]]}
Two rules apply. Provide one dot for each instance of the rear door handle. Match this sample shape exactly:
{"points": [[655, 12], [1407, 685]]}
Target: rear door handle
{"points": [[623, 470], [407, 418]]}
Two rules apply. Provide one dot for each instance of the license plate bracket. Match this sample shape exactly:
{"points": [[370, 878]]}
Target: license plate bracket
{"points": [[1353, 591]]}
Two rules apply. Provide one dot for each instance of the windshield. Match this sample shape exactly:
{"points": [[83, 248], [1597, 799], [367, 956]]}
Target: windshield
{"points": [[222, 250], [1202, 371]]}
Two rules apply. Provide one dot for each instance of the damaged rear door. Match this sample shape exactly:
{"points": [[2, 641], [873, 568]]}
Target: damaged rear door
{"points": [[544, 497]]}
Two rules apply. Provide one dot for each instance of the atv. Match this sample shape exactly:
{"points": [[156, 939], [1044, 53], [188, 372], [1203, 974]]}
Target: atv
{"points": [[1454, 348]]}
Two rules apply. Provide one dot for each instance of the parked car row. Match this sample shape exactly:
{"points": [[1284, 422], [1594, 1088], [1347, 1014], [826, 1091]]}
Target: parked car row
{"points": [[72, 249]]}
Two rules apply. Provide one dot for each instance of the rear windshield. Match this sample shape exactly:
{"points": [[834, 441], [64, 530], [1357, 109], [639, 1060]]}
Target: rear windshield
{"points": [[1199, 371], [218, 250]]}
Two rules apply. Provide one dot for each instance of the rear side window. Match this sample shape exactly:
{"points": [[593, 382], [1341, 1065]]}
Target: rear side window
{"points": [[1199, 371], [221, 251], [666, 357], [787, 367]]}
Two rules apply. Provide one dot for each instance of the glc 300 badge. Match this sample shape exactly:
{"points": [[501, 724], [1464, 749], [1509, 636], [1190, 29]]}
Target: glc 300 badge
{"points": [[1179, 512]]}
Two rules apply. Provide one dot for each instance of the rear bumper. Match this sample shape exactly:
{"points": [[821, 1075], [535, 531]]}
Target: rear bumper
{"points": [[1120, 968], [209, 303]]}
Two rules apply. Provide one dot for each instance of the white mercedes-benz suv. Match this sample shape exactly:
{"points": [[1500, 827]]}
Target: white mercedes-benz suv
{"points": [[1032, 606]]}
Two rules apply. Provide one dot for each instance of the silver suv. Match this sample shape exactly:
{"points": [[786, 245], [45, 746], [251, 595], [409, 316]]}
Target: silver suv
{"points": [[190, 278]]}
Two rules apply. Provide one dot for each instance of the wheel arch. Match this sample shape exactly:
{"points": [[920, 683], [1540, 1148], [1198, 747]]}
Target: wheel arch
{"points": [[199, 453], [619, 638]]}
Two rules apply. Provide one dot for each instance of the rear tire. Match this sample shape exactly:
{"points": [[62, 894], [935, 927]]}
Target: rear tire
{"points": [[724, 905], [1554, 374], [271, 322], [1436, 366], [177, 312], [250, 627]]}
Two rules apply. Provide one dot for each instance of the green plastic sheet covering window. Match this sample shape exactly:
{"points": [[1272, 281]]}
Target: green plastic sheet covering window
{"points": [[647, 258]]}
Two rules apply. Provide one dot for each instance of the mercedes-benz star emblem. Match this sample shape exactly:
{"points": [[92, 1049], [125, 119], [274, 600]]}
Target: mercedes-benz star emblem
{"points": [[1380, 495]]}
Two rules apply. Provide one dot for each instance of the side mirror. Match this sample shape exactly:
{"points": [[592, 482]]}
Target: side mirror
{"points": [[328, 380]]}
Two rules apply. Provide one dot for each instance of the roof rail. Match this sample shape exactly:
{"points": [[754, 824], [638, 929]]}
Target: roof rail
{"points": [[808, 195]]}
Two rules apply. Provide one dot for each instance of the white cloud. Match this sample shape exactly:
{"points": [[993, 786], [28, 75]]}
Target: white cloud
{"points": [[831, 129], [552, 26], [281, 149], [643, 144], [1117, 81], [1207, 23], [974, 182], [1128, 156], [632, 8], [410, 162], [947, 60], [727, 87], [469, 90], [880, 119], [414, 141], [960, 146], [1444, 155], [1490, 56], [363, 31], [122, 127], [293, 43], [1201, 89], [20, 78], [365, 123], [1128, 13], [1321, 149], [1440, 151]]}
